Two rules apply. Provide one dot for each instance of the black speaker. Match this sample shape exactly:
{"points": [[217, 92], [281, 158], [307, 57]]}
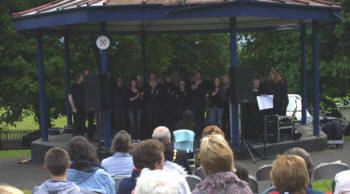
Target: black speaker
{"points": [[96, 90], [241, 84]]}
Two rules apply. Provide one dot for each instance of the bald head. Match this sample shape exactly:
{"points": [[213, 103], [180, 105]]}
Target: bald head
{"points": [[161, 132]]}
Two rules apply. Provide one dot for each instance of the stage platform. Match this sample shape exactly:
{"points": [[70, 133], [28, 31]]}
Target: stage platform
{"points": [[307, 141]]}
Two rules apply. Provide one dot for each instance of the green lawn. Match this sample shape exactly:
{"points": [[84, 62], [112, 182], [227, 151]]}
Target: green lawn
{"points": [[28, 122], [323, 185], [15, 153]]}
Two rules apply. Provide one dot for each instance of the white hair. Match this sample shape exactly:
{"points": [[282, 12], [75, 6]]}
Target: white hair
{"points": [[157, 182], [161, 132]]}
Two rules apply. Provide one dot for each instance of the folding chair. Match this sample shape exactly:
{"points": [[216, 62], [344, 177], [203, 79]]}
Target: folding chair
{"points": [[329, 170], [192, 181], [263, 173]]}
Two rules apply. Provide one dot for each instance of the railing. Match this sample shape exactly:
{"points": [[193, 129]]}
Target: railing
{"points": [[13, 135]]}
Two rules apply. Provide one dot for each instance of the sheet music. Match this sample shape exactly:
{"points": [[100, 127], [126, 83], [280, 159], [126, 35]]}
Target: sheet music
{"points": [[265, 102]]}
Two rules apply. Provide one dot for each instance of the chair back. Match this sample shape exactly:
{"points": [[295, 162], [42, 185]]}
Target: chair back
{"points": [[263, 173], [253, 184], [329, 170], [117, 180], [192, 181], [199, 172], [184, 139]]}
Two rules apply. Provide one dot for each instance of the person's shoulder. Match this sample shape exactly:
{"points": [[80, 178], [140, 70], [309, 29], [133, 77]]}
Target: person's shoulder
{"points": [[312, 191]]}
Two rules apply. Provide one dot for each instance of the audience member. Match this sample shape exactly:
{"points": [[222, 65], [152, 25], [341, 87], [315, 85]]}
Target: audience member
{"points": [[218, 165], [309, 165], [163, 134], [289, 174], [342, 182], [120, 164], [187, 122], [146, 154], [157, 182], [212, 129], [85, 170], [242, 171], [7, 189], [56, 163]]}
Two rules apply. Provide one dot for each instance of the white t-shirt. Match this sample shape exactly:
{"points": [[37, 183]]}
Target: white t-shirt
{"points": [[342, 182]]}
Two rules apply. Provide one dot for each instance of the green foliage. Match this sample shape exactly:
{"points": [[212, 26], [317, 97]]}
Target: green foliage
{"points": [[281, 50], [18, 65], [323, 185], [208, 53]]}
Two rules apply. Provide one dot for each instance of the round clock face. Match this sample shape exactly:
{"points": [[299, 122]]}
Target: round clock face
{"points": [[103, 42]]}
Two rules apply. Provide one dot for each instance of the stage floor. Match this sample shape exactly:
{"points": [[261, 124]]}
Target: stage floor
{"points": [[307, 141]]}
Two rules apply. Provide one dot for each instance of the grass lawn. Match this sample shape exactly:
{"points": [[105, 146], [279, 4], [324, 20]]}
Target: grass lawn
{"points": [[28, 122], [14, 153], [323, 185]]}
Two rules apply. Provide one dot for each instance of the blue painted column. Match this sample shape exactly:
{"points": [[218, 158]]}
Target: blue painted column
{"points": [[107, 114], [315, 56], [144, 68], [303, 73], [234, 62], [42, 100], [67, 62]]}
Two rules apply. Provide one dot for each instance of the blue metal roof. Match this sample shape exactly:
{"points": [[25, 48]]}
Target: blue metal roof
{"points": [[160, 18]]}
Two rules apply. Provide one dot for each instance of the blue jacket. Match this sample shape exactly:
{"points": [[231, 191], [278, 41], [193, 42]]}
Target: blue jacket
{"points": [[128, 184], [59, 187], [97, 180], [120, 164]]}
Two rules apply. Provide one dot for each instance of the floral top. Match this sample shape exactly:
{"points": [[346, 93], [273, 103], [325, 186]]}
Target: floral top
{"points": [[221, 183]]}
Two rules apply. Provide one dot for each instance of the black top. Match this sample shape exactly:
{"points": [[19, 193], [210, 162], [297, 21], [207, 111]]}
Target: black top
{"points": [[119, 97], [217, 100], [280, 92], [197, 96], [153, 95], [77, 91], [137, 103]]}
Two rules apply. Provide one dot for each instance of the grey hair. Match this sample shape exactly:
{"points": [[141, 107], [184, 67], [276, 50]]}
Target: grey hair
{"points": [[306, 156], [158, 182], [161, 132]]}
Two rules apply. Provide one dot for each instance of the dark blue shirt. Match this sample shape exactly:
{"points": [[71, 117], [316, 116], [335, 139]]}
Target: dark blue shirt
{"points": [[128, 184]]}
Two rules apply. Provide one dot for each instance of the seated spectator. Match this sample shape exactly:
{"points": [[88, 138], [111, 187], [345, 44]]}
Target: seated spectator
{"points": [[212, 129], [242, 171], [309, 165], [157, 182], [218, 166], [120, 164], [187, 122], [289, 174], [85, 170], [163, 134], [7, 189], [342, 182], [146, 154], [56, 163]]}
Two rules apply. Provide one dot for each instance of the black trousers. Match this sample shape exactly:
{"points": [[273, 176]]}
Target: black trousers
{"points": [[119, 120], [79, 127]]}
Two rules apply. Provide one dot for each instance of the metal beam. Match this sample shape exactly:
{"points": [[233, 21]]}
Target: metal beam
{"points": [[67, 62], [234, 63], [303, 72], [42, 100], [315, 55], [107, 114]]}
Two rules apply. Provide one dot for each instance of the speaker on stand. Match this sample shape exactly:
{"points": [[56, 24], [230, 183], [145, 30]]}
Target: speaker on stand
{"points": [[241, 93], [96, 91]]}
